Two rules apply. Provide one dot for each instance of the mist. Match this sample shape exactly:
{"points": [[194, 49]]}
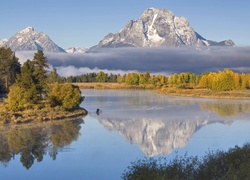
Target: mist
{"points": [[155, 60]]}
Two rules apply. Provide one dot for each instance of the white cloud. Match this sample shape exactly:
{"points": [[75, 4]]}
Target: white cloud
{"points": [[155, 60]]}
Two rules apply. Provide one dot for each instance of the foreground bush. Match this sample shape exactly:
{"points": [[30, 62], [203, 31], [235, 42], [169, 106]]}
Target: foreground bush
{"points": [[20, 98], [233, 164]]}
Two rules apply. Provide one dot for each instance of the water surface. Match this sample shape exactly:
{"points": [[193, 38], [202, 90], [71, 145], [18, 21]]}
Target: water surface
{"points": [[132, 124]]}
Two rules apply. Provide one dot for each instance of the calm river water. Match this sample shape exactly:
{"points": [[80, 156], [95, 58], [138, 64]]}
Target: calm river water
{"points": [[132, 124]]}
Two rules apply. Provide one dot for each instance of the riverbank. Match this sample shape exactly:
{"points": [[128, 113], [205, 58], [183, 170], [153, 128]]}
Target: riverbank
{"points": [[206, 93], [172, 91], [38, 115]]}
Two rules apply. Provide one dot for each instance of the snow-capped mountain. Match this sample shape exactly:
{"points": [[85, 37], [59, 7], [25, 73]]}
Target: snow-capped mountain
{"points": [[28, 40], [76, 50], [155, 28]]}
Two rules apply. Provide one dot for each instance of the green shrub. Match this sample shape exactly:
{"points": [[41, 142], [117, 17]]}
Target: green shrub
{"points": [[67, 96], [20, 98]]}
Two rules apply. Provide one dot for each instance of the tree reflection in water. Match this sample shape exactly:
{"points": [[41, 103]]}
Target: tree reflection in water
{"points": [[33, 143], [226, 109]]}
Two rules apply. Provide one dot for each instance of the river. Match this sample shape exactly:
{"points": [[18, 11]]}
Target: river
{"points": [[131, 124]]}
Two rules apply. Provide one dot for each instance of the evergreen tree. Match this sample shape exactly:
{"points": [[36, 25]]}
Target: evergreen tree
{"points": [[40, 72], [26, 79], [9, 67]]}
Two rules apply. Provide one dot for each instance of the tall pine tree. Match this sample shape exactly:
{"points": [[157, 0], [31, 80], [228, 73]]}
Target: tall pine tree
{"points": [[40, 72]]}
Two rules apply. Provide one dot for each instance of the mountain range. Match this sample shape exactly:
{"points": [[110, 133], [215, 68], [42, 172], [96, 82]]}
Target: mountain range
{"points": [[154, 28]]}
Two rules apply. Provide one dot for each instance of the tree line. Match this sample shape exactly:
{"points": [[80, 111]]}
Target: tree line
{"points": [[133, 78], [224, 80]]}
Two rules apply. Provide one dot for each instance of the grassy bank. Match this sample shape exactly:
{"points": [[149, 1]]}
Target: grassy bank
{"points": [[206, 93], [38, 114]]}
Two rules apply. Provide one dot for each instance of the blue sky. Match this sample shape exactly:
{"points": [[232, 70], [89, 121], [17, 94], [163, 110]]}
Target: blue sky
{"points": [[83, 23]]}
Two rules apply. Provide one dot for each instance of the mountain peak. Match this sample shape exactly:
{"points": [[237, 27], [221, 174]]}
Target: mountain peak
{"points": [[157, 28], [151, 9], [27, 30], [30, 40]]}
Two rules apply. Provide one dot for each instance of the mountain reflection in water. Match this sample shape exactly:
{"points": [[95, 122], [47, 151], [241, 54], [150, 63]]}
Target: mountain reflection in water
{"points": [[159, 124], [32, 143]]}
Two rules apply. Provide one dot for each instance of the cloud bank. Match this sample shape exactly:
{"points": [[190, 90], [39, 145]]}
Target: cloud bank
{"points": [[156, 60]]}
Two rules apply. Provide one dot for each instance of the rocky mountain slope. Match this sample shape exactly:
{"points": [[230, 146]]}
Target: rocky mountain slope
{"points": [[28, 40], [157, 28]]}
